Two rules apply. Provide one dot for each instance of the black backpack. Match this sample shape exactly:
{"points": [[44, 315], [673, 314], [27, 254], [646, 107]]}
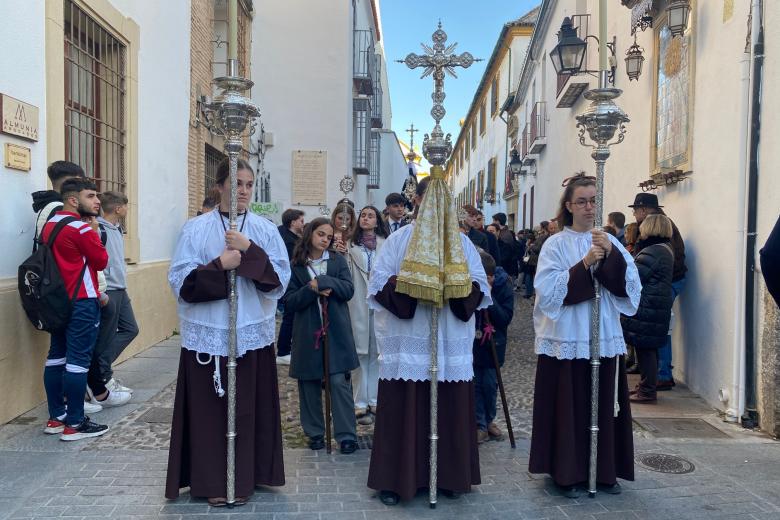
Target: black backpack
{"points": [[41, 288]]}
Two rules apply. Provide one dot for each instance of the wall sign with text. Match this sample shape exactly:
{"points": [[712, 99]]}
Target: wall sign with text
{"points": [[18, 118]]}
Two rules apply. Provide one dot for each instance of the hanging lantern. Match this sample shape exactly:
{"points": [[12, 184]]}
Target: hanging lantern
{"points": [[568, 55], [634, 61], [677, 13], [515, 165]]}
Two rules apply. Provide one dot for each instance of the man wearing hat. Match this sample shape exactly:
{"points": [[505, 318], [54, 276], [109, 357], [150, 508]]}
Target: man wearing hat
{"points": [[647, 204]]}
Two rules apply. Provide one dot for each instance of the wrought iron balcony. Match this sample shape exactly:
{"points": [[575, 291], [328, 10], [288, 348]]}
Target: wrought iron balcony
{"points": [[538, 137], [363, 62], [376, 101]]}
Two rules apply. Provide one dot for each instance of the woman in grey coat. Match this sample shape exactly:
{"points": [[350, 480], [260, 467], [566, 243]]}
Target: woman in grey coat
{"points": [[319, 275]]}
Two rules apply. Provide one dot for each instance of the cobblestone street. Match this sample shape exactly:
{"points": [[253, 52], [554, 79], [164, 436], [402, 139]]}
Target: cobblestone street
{"points": [[728, 474]]}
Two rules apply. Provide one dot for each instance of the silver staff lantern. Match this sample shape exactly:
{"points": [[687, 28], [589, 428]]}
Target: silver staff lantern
{"points": [[437, 61], [231, 112], [601, 121]]}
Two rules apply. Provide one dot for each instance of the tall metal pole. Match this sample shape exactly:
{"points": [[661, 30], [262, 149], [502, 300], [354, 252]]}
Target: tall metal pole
{"points": [[437, 60], [228, 116]]}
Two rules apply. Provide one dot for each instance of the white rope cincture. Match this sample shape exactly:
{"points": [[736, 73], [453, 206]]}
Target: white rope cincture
{"points": [[217, 376]]}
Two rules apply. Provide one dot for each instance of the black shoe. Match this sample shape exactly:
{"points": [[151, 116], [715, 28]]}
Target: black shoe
{"points": [[348, 447], [389, 498], [316, 443], [633, 369], [569, 491], [613, 489], [84, 430], [664, 385], [452, 495]]}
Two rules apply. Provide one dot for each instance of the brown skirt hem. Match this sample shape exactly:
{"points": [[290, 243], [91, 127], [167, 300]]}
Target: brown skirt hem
{"points": [[198, 451], [400, 453]]}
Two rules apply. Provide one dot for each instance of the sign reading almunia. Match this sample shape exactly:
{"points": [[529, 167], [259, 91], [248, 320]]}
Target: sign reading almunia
{"points": [[19, 118]]}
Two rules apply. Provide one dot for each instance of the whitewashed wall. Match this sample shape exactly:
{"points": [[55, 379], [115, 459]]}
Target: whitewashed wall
{"points": [[163, 116], [707, 208], [22, 76]]}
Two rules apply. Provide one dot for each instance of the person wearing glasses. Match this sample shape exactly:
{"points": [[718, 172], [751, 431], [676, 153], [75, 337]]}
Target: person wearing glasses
{"points": [[564, 284]]}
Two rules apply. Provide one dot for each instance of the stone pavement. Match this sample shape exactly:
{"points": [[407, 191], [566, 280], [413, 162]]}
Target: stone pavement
{"points": [[717, 470]]}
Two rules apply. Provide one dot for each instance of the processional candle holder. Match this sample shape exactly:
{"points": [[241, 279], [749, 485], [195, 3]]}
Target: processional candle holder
{"points": [[230, 113], [600, 121]]}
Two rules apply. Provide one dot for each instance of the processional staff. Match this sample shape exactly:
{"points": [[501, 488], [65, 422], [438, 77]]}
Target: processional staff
{"points": [[229, 114], [436, 61]]}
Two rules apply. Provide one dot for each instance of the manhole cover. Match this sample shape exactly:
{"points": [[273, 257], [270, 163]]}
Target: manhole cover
{"points": [[680, 428], [664, 463], [156, 414]]}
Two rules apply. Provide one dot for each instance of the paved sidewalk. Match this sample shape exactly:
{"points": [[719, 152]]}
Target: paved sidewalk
{"points": [[734, 474]]}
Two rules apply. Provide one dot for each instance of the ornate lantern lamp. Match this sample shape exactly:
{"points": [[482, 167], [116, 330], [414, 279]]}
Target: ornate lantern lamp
{"points": [[634, 61], [677, 13], [515, 164], [568, 55]]}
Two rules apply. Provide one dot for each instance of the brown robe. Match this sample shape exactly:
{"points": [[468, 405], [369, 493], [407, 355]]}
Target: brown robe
{"points": [[401, 448], [197, 454], [560, 442]]}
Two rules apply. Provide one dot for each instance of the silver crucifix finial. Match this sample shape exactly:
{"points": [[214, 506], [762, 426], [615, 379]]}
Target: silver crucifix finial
{"points": [[438, 61]]}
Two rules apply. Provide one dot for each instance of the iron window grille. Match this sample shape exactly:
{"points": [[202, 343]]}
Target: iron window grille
{"points": [[213, 158], [363, 58], [95, 97], [374, 148], [361, 114], [376, 102]]}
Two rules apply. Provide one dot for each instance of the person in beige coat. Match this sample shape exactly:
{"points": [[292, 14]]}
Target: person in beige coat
{"points": [[366, 242]]}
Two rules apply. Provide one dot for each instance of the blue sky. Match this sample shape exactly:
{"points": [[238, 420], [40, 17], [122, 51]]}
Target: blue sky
{"points": [[474, 25]]}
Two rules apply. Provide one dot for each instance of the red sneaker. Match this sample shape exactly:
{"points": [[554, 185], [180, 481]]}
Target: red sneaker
{"points": [[53, 427]]}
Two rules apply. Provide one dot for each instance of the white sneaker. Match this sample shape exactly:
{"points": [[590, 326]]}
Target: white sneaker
{"points": [[91, 407], [114, 385], [116, 398], [283, 360]]}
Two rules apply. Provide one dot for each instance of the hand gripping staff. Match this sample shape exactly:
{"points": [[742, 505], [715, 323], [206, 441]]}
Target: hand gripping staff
{"points": [[323, 333], [487, 334]]}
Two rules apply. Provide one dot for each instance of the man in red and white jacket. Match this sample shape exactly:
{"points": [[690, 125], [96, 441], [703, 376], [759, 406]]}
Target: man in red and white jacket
{"points": [[79, 254]]}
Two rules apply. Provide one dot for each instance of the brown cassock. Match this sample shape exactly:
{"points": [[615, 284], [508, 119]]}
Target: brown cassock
{"points": [[198, 451]]}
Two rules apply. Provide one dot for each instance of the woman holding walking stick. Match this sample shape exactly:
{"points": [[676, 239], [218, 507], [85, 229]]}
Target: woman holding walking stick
{"points": [[568, 262], [206, 251], [320, 287]]}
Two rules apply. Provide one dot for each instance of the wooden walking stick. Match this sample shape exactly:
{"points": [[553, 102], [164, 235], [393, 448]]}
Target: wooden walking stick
{"points": [[489, 334], [326, 370]]}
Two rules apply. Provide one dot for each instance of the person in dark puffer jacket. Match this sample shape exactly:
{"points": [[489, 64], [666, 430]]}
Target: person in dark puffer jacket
{"points": [[646, 330], [499, 315]]}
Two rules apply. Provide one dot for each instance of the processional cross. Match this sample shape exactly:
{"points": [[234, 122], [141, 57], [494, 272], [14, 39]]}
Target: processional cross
{"points": [[412, 130]]}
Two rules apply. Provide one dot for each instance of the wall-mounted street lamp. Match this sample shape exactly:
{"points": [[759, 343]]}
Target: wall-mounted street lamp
{"points": [[515, 164], [677, 13], [568, 55], [634, 61]]}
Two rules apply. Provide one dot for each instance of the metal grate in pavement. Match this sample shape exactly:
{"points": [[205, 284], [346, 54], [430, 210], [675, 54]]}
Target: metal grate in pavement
{"points": [[663, 463], [672, 427], [156, 414]]}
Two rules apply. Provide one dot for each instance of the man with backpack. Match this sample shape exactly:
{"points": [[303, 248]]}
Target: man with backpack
{"points": [[79, 254], [48, 202]]}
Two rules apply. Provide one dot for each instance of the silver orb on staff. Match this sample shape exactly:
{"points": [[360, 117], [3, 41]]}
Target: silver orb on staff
{"points": [[230, 113], [437, 61]]}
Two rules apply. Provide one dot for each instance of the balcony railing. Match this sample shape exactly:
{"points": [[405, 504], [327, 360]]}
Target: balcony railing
{"points": [[524, 140], [361, 133], [538, 137], [376, 102], [363, 62], [374, 149]]}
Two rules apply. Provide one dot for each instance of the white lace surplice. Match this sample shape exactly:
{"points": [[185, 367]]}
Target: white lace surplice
{"points": [[204, 326], [405, 345], [563, 331]]}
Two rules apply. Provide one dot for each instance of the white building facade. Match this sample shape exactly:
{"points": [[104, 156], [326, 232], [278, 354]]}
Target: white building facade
{"points": [[688, 142], [321, 83], [477, 169]]}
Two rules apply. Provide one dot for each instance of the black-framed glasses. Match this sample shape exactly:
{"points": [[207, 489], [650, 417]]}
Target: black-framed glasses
{"points": [[582, 203]]}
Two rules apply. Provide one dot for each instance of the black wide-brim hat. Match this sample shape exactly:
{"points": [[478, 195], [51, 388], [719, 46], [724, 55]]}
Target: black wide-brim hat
{"points": [[645, 200]]}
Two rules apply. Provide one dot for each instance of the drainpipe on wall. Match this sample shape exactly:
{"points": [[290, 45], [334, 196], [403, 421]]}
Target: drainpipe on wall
{"points": [[750, 417]]}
